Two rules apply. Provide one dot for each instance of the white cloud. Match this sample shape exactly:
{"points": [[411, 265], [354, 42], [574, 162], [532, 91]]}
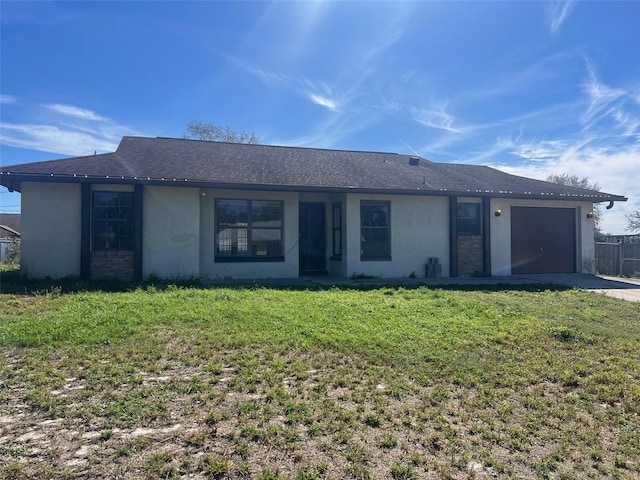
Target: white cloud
{"points": [[435, 118], [558, 12], [52, 139], [539, 151], [66, 130], [318, 93], [629, 123], [71, 111], [601, 97], [8, 99], [323, 101]]}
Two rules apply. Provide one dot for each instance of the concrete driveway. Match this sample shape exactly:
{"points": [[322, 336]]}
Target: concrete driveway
{"points": [[616, 287]]}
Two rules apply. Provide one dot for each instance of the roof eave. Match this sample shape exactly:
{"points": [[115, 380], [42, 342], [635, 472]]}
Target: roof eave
{"points": [[13, 180]]}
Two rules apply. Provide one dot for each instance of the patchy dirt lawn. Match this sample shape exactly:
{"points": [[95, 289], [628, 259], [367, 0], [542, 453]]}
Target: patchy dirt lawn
{"points": [[266, 415], [388, 384]]}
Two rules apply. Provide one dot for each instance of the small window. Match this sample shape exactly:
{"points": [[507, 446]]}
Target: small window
{"points": [[248, 230], [468, 219], [375, 230], [337, 231], [112, 221]]}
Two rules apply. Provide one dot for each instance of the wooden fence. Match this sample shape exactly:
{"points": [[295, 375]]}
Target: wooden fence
{"points": [[618, 255]]}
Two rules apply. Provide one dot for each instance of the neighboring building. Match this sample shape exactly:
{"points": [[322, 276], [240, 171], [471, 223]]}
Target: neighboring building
{"points": [[9, 225], [180, 208], [9, 233]]}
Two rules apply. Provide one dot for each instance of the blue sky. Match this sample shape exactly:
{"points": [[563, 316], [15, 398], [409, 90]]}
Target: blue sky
{"points": [[532, 88]]}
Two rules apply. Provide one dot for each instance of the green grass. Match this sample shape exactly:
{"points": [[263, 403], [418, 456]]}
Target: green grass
{"points": [[328, 383]]}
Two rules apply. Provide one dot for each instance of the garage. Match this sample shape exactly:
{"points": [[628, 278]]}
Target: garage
{"points": [[543, 240]]}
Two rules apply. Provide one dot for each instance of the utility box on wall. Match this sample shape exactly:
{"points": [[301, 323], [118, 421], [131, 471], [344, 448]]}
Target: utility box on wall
{"points": [[433, 269]]}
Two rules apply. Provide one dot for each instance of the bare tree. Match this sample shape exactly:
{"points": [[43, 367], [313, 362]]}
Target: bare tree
{"points": [[575, 181], [633, 221], [215, 133]]}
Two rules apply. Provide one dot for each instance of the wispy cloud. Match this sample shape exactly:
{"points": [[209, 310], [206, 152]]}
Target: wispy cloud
{"points": [[52, 139], [323, 102], [436, 117], [65, 129], [594, 134], [318, 93], [558, 12], [330, 132], [71, 111], [8, 99], [602, 98], [344, 93], [610, 159], [268, 77], [542, 151]]}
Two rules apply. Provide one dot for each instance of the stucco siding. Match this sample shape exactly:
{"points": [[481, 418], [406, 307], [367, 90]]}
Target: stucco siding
{"points": [[501, 233], [170, 232], [419, 230], [586, 235], [212, 270], [50, 243]]}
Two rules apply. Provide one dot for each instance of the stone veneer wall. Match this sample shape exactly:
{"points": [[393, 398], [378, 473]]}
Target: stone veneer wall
{"points": [[109, 265], [469, 255]]}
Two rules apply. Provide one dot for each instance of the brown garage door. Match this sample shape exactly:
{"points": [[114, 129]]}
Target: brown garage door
{"points": [[543, 240]]}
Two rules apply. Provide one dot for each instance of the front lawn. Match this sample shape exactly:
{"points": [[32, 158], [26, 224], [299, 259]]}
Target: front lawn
{"points": [[386, 383]]}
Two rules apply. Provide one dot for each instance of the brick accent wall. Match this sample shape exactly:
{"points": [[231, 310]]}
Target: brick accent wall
{"points": [[469, 255], [109, 265]]}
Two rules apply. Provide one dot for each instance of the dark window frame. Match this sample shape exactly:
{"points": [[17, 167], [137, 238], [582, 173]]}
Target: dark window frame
{"points": [[336, 231], [366, 230], [112, 223], [469, 224], [249, 229]]}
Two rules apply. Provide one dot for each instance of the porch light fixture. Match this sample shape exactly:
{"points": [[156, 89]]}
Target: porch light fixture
{"points": [[498, 213], [590, 215]]}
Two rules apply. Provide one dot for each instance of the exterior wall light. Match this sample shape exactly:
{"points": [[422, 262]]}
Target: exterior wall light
{"points": [[590, 215], [498, 213]]}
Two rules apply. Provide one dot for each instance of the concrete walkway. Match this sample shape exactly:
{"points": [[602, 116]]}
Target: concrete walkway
{"points": [[622, 288]]}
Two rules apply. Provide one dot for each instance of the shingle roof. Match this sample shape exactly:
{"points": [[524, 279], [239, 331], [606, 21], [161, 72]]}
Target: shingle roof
{"points": [[10, 223], [219, 164]]}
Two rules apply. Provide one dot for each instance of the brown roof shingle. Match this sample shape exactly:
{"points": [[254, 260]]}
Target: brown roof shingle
{"points": [[200, 163]]}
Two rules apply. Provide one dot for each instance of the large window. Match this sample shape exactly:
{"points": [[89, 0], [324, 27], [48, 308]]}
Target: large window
{"points": [[336, 219], [112, 221], [468, 219], [374, 230], [248, 230]]}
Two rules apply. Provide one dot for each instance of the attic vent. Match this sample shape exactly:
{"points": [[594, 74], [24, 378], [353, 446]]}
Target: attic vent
{"points": [[414, 161]]}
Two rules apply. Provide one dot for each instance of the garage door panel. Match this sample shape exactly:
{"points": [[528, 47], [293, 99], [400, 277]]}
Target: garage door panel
{"points": [[543, 240]]}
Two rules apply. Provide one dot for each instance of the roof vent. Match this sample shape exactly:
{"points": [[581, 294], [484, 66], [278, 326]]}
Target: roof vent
{"points": [[414, 161]]}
